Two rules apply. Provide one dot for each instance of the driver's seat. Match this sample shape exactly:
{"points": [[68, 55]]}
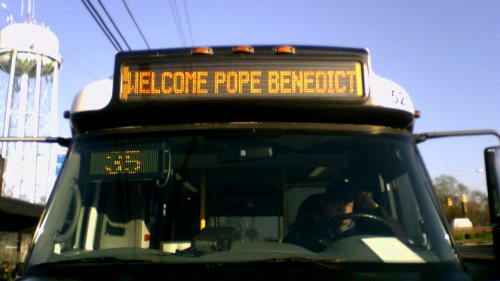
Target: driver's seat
{"points": [[303, 227]]}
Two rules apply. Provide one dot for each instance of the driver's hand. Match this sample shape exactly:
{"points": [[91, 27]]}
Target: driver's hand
{"points": [[365, 201]]}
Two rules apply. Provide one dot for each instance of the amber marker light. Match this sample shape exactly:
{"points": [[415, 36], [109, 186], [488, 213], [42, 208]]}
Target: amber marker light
{"points": [[284, 50], [417, 114], [243, 50], [202, 51]]}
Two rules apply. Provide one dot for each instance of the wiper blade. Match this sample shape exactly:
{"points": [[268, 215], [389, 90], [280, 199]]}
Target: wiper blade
{"points": [[327, 263], [86, 261]]}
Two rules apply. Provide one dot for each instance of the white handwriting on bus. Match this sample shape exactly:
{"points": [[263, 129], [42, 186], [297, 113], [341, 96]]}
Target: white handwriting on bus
{"points": [[398, 97]]}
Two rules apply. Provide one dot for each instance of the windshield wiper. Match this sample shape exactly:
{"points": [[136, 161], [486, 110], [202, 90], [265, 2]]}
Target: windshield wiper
{"points": [[93, 261], [326, 263]]}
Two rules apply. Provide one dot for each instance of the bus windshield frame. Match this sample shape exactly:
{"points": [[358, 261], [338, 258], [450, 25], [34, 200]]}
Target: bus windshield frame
{"points": [[261, 173]]}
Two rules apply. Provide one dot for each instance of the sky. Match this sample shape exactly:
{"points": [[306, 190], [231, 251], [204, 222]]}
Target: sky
{"points": [[444, 53]]}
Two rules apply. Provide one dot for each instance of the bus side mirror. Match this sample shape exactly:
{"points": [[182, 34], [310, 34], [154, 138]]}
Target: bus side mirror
{"points": [[492, 165]]}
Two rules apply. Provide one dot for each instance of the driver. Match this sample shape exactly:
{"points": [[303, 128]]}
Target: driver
{"points": [[338, 199], [318, 229]]}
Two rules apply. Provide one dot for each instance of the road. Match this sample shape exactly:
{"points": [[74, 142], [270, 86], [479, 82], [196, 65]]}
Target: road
{"points": [[480, 261]]}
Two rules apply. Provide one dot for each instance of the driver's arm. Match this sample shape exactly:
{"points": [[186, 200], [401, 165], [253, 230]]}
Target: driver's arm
{"points": [[364, 201]]}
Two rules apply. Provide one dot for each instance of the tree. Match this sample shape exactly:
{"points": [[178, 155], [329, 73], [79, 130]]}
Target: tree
{"points": [[449, 189]]}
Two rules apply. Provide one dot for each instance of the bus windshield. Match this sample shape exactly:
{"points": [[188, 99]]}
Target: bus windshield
{"points": [[247, 192]]}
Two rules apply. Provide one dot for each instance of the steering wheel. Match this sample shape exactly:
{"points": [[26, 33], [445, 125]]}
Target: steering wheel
{"points": [[334, 223]]}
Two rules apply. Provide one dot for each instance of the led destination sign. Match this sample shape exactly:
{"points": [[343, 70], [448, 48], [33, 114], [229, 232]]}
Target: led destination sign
{"points": [[121, 162], [157, 80]]}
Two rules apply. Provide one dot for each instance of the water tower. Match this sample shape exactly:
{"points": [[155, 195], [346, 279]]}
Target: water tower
{"points": [[29, 65]]}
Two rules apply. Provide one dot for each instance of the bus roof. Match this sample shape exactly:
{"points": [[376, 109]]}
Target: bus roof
{"points": [[235, 84]]}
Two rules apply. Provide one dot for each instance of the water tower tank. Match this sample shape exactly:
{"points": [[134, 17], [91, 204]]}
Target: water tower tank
{"points": [[29, 64], [28, 40]]}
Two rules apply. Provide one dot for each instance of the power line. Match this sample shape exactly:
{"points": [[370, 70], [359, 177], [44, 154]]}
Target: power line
{"points": [[113, 39], [177, 21], [95, 15], [135, 22], [90, 74], [188, 22], [113, 23]]}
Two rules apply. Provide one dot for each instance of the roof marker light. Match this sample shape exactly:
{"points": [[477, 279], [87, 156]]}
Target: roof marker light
{"points": [[243, 50], [202, 51], [284, 50]]}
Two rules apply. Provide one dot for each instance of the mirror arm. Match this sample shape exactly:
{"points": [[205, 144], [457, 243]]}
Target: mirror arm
{"points": [[59, 140], [432, 135]]}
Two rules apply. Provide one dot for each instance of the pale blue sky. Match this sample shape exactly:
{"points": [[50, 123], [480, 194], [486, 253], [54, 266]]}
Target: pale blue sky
{"points": [[444, 53]]}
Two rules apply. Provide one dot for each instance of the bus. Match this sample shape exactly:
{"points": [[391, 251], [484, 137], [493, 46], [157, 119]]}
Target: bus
{"points": [[223, 162]]}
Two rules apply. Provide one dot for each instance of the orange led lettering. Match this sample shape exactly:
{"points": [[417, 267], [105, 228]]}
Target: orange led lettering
{"points": [[190, 79], [285, 86], [298, 82], [337, 81], [153, 82], [308, 80], [201, 82], [144, 83], [248, 80], [126, 80], [254, 82], [178, 82], [359, 82], [331, 88], [351, 74], [136, 82], [220, 78], [243, 79], [272, 82], [321, 82], [123, 162], [231, 82], [164, 88]]}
